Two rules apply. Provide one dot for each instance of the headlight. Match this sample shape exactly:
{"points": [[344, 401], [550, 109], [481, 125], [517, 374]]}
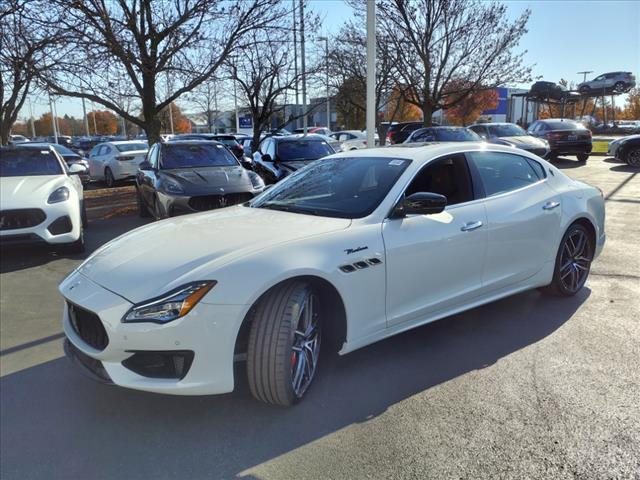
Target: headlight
{"points": [[172, 187], [59, 195], [173, 305], [256, 181]]}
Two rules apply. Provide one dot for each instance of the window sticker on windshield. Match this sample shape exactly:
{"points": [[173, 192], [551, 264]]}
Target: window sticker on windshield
{"points": [[396, 162], [44, 152]]}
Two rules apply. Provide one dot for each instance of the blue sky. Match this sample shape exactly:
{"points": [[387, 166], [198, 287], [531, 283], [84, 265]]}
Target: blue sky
{"points": [[564, 37]]}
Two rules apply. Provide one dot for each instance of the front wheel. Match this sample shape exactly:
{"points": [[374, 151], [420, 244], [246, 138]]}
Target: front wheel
{"points": [[573, 262], [284, 344], [583, 157], [143, 211], [633, 158]]}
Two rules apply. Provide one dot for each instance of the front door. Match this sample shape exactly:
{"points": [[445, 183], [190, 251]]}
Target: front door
{"points": [[436, 261]]}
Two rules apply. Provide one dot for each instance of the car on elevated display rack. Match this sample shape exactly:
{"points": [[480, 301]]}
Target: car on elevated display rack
{"points": [[41, 199], [344, 252], [191, 176], [511, 135], [613, 82]]}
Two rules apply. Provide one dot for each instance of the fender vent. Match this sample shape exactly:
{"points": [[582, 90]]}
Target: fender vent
{"points": [[360, 265]]}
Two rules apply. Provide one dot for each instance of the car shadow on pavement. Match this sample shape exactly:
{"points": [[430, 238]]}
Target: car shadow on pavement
{"points": [[58, 424], [566, 163], [624, 168], [14, 258]]}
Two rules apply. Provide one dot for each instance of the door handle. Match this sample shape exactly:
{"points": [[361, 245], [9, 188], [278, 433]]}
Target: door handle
{"points": [[468, 227], [550, 205]]}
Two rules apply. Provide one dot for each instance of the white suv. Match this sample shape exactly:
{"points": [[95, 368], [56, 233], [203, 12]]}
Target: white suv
{"points": [[618, 82], [115, 161], [41, 199]]}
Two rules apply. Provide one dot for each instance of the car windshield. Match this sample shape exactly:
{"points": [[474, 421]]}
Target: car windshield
{"points": [[230, 141], [506, 131], [130, 147], [455, 135], [350, 187], [303, 150], [176, 155], [28, 162]]}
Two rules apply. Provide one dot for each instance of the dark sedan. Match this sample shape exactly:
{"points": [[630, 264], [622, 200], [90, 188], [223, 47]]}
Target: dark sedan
{"points": [[191, 176], [564, 136], [69, 156], [226, 139], [278, 157], [629, 151], [442, 134], [511, 135]]}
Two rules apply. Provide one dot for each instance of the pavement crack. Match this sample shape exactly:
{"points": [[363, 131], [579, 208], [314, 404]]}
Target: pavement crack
{"points": [[627, 276]]}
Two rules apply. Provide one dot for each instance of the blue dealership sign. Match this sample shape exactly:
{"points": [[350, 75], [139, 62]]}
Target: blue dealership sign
{"points": [[246, 122], [503, 103]]}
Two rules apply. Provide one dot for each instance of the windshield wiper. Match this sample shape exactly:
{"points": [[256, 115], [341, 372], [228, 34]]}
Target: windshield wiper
{"points": [[286, 208]]}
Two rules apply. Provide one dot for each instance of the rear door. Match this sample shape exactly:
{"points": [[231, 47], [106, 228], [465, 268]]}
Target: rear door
{"points": [[523, 214], [436, 261]]}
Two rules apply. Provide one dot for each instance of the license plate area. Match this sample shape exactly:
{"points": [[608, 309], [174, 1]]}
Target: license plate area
{"points": [[572, 137]]}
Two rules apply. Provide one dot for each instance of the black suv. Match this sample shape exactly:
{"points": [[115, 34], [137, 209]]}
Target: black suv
{"points": [[564, 136]]}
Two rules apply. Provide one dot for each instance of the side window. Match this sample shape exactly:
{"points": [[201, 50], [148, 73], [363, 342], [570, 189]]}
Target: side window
{"points": [[424, 136], [263, 145], [94, 151], [106, 150], [271, 149], [448, 176], [537, 168], [343, 137], [503, 172], [153, 156]]}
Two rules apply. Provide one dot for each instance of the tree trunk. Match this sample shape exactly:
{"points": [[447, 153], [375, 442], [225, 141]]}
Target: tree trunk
{"points": [[153, 127], [4, 132], [256, 134], [427, 114]]}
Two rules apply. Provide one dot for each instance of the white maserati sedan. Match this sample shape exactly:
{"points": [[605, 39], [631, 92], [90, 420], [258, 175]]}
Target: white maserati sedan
{"points": [[41, 198], [347, 250]]}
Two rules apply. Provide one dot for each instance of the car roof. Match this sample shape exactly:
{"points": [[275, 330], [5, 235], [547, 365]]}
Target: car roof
{"points": [[493, 123], [125, 142], [298, 137], [195, 141]]}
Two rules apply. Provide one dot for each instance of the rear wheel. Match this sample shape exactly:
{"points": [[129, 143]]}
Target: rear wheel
{"points": [[583, 157], [584, 89], [109, 179], [619, 87], [573, 262], [633, 158], [284, 344]]}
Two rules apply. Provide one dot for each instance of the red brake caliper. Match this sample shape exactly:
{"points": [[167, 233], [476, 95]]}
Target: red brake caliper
{"points": [[294, 357]]}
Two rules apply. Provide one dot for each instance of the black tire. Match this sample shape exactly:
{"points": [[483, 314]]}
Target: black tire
{"points": [[633, 158], [560, 285], [143, 211], [83, 215], [77, 246], [274, 355], [109, 179], [584, 89], [552, 157], [619, 87], [583, 157]]}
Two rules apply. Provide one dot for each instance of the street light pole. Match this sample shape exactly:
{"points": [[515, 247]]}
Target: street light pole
{"points": [[304, 76], [295, 58], [584, 78], [371, 72], [326, 53], [53, 119]]}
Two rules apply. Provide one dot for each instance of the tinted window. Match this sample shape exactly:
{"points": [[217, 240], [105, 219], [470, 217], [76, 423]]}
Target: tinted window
{"points": [[176, 155], [502, 172], [537, 168], [455, 135], [303, 150], [448, 176], [506, 130], [423, 135], [564, 125], [337, 187], [28, 162], [130, 147]]}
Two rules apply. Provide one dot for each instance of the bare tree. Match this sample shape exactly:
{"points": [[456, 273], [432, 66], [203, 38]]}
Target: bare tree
{"points": [[440, 41], [164, 48], [265, 74], [22, 45]]}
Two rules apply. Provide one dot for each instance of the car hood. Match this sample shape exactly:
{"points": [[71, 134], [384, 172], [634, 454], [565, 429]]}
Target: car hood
{"points": [[226, 178], [27, 192], [524, 141], [158, 257]]}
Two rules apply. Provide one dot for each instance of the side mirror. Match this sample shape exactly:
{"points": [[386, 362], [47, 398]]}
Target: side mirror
{"points": [[266, 158], [145, 165], [77, 169], [420, 203]]}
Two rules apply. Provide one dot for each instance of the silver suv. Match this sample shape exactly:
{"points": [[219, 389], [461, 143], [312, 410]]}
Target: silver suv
{"points": [[614, 82]]}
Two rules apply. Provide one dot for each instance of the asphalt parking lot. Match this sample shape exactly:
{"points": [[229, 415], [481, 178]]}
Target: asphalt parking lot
{"points": [[527, 387]]}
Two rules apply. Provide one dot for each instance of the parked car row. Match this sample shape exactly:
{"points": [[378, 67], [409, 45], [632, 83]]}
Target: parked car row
{"points": [[626, 149]]}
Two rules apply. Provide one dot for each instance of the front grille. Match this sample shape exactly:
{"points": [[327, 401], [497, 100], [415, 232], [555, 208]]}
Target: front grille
{"points": [[22, 218], [88, 326], [173, 364], [209, 202]]}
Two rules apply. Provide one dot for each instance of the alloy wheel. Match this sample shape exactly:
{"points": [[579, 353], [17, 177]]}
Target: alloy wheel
{"points": [[575, 261], [633, 158], [306, 346]]}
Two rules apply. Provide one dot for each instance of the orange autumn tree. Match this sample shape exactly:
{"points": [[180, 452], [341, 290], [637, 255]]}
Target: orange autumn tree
{"points": [[399, 110], [631, 109], [181, 124], [106, 123], [469, 109]]}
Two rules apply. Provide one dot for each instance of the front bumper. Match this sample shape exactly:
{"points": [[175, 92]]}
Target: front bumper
{"points": [[182, 204], [41, 233], [561, 148], [208, 330]]}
